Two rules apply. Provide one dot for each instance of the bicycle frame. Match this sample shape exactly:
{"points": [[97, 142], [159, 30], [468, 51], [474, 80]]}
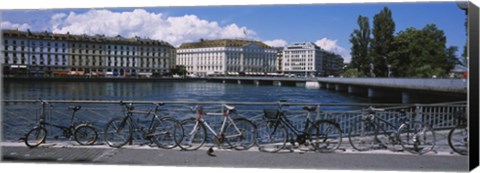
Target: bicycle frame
{"points": [[287, 123], [389, 124], [226, 117], [135, 125], [42, 123]]}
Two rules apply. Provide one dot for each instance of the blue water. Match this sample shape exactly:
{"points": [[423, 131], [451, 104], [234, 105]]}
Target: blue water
{"points": [[18, 118], [170, 91]]}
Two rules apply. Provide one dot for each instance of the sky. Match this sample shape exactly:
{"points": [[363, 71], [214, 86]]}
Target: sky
{"points": [[327, 25]]}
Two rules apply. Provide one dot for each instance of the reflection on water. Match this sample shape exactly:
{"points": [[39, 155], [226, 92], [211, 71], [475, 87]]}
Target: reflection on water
{"points": [[19, 118], [169, 91]]}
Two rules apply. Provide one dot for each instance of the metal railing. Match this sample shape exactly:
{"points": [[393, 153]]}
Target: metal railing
{"points": [[19, 116]]}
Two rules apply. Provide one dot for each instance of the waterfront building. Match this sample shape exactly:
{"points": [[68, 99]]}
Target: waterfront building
{"points": [[302, 59], [226, 57], [306, 59], [46, 54], [332, 64], [278, 61]]}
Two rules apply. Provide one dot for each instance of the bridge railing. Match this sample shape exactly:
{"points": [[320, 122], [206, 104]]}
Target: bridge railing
{"points": [[19, 116]]}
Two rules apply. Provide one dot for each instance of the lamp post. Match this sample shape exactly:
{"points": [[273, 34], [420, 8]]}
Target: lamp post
{"points": [[371, 70], [389, 71]]}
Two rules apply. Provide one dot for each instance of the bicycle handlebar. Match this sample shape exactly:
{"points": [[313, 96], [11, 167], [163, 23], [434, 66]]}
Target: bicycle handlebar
{"points": [[196, 108], [129, 106], [372, 109]]}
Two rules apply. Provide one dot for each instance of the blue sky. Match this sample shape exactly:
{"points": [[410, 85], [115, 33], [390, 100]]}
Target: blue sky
{"points": [[328, 25]]}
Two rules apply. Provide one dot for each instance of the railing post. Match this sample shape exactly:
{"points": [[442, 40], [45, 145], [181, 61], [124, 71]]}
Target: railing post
{"points": [[419, 113], [319, 116]]}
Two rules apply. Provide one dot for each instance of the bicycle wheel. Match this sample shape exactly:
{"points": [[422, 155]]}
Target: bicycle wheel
{"points": [[325, 136], [416, 137], [118, 132], [362, 136], [271, 137], [163, 132], [194, 135], [458, 140], [35, 137], [240, 135], [85, 134]]}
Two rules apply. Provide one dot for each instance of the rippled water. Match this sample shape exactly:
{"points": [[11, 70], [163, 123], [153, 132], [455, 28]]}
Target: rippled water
{"points": [[19, 118], [170, 91]]}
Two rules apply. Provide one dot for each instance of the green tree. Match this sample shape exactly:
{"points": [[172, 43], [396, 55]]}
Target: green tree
{"points": [[360, 39], [179, 70], [422, 53], [451, 57], [353, 72], [381, 45], [465, 48]]}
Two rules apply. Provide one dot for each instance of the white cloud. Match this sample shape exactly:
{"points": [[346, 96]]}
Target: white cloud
{"points": [[276, 43], [332, 46], [9, 25], [174, 29]]}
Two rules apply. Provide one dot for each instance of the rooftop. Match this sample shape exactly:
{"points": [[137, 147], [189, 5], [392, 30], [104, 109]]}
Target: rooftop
{"points": [[83, 38], [221, 43]]}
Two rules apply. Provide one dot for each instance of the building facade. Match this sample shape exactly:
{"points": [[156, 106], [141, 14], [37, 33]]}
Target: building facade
{"points": [[332, 64], [46, 54], [279, 60], [226, 57], [302, 59], [306, 59]]}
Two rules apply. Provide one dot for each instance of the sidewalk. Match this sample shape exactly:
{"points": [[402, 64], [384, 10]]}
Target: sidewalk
{"points": [[67, 152]]}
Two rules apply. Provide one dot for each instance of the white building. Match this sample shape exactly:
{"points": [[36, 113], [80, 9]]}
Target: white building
{"points": [[226, 57], [302, 59]]}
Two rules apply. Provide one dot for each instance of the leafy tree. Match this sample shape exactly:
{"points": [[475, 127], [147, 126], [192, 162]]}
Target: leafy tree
{"points": [[360, 39], [451, 57], [353, 72], [381, 45], [465, 48], [422, 53], [179, 70]]}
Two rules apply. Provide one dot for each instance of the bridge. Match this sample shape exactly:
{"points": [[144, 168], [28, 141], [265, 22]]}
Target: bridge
{"points": [[409, 90]]}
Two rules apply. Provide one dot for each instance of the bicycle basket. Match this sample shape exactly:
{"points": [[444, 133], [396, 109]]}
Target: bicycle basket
{"points": [[271, 114]]}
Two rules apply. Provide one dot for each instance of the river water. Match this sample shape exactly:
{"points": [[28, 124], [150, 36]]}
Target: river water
{"points": [[19, 118], [170, 91]]}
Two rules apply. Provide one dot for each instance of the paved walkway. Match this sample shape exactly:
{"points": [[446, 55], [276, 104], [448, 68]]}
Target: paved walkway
{"points": [[70, 152]]}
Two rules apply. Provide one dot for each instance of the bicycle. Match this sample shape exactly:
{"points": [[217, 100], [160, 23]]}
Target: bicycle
{"points": [[238, 133], [321, 135], [458, 136], [84, 133], [160, 130], [371, 132]]}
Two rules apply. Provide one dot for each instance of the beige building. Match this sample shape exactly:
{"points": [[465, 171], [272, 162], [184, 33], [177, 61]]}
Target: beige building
{"points": [[46, 54]]}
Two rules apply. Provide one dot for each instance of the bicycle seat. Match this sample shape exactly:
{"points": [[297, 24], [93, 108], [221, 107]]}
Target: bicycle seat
{"points": [[310, 108], [159, 104], [230, 108], [75, 108]]}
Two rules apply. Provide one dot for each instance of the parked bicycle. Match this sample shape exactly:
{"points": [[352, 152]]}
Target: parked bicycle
{"points": [[158, 130], [84, 133], [321, 135], [238, 133], [372, 131], [458, 136]]}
